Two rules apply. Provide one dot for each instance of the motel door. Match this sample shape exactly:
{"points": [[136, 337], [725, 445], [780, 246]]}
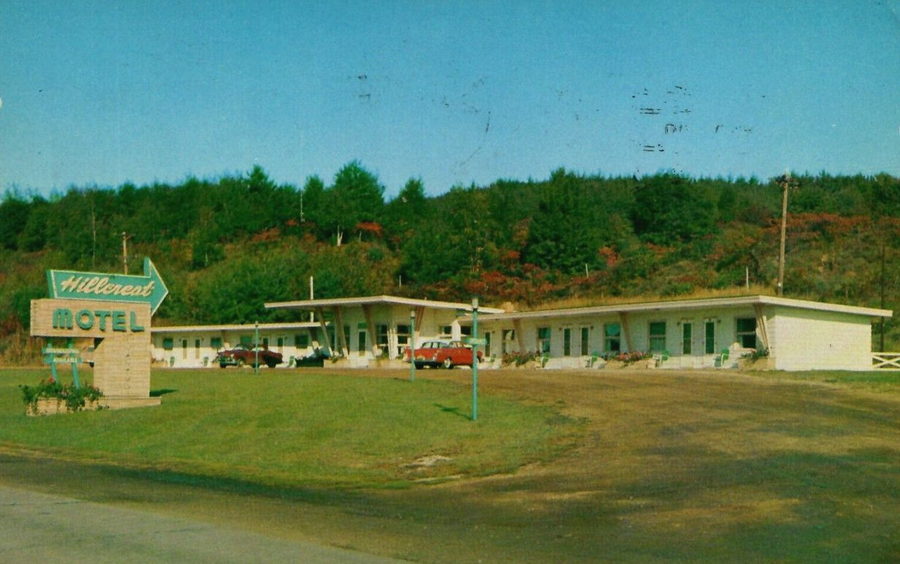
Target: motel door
{"points": [[576, 341], [697, 341], [691, 349]]}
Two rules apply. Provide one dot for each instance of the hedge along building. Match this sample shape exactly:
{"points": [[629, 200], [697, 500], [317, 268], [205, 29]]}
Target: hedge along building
{"points": [[796, 334], [375, 330], [791, 334], [195, 346]]}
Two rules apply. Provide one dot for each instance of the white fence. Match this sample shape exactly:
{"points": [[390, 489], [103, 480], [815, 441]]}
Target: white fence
{"points": [[885, 361]]}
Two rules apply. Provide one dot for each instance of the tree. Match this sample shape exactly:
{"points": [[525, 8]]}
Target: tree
{"points": [[313, 198], [356, 196], [568, 230], [14, 212], [669, 209], [408, 210]]}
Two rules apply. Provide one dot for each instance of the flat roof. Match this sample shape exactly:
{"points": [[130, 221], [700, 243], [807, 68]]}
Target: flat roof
{"points": [[495, 314], [235, 327], [378, 300], [690, 304]]}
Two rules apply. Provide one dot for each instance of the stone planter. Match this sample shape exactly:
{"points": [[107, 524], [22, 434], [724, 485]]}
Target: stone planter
{"points": [[54, 406]]}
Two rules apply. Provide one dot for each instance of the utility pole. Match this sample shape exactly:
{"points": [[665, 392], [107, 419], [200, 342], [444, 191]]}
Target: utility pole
{"points": [[786, 183], [125, 251], [93, 237], [881, 341]]}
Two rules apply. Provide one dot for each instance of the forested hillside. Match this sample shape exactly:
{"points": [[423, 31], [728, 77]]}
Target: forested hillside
{"points": [[226, 246]]}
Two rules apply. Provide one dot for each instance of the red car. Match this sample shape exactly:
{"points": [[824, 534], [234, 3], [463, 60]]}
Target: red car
{"points": [[443, 353], [240, 355]]}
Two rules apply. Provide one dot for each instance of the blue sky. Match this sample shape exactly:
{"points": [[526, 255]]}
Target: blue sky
{"points": [[103, 93]]}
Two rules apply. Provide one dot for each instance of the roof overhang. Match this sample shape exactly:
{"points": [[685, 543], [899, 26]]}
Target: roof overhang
{"points": [[377, 300], [236, 327], [681, 305]]}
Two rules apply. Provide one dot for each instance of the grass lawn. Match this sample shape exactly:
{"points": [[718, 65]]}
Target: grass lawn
{"points": [[296, 428], [580, 466]]}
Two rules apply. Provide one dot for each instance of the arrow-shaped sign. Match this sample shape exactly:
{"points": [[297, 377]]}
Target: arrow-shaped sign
{"points": [[67, 284]]}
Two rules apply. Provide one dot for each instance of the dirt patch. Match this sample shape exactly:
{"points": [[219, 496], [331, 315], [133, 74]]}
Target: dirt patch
{"points": [[429, 461]]}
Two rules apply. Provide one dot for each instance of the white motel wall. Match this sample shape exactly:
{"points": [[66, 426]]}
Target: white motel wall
{"points": [[706, 333]]}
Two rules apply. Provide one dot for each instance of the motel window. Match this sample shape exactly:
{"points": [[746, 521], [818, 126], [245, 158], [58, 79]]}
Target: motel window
{"points": [[465, 331], [301, 341], [381, 336], [168, 343], [197, 343], [216, 342], [543, 340], [612, 338], [184, 348], [585, 340], [746, 332], [687, 337], [657, 336], [279, 344], [403, 334], [710, 339], [446, 331], [567, 342], [402, 338]]}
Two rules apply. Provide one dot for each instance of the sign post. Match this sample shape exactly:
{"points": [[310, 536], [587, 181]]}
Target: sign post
{"points": [[474, 342], [412, 345], [256, 349]]}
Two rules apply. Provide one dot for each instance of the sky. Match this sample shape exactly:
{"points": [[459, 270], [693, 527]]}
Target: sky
{"points": [[103, 93]]}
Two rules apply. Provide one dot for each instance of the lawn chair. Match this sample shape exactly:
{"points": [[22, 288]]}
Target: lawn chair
{"points": [[722, 358]]}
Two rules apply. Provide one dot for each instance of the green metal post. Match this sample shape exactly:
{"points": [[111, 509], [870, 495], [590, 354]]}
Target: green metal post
{"points": [[55, 376], [475, 359], [75, 379], [412, 345], [70, 344], [256, 349]]}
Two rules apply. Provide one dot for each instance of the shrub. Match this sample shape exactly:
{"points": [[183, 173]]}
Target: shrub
{"points": [[632, 357], [756, 354], [519, 358], [75, 397]]}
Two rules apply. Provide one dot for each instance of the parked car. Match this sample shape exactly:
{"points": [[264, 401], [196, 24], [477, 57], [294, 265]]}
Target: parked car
{"points": [[443, 353], [241, 355], [316, 358]]}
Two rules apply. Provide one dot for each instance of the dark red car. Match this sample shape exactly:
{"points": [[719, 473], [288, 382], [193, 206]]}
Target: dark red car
{"points": [[443, 353], [240, 356]]}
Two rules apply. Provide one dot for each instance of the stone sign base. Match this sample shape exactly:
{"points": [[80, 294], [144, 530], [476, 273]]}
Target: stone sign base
{"points": [[53, 406], [113, 402]]}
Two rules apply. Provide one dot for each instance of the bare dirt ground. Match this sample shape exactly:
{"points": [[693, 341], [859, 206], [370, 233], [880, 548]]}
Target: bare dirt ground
{"points": [[670, 465]]}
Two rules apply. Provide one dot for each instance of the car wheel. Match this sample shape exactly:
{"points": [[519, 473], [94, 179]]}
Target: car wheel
{"points": [[448, 363], [222, 365], [271, 364], [240, 363]]}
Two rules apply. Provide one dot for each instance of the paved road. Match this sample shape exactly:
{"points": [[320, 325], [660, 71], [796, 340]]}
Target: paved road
{"points": [[38, 527]]}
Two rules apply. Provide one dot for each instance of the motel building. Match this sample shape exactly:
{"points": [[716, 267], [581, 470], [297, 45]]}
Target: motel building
{"points": [[697, 333]]}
